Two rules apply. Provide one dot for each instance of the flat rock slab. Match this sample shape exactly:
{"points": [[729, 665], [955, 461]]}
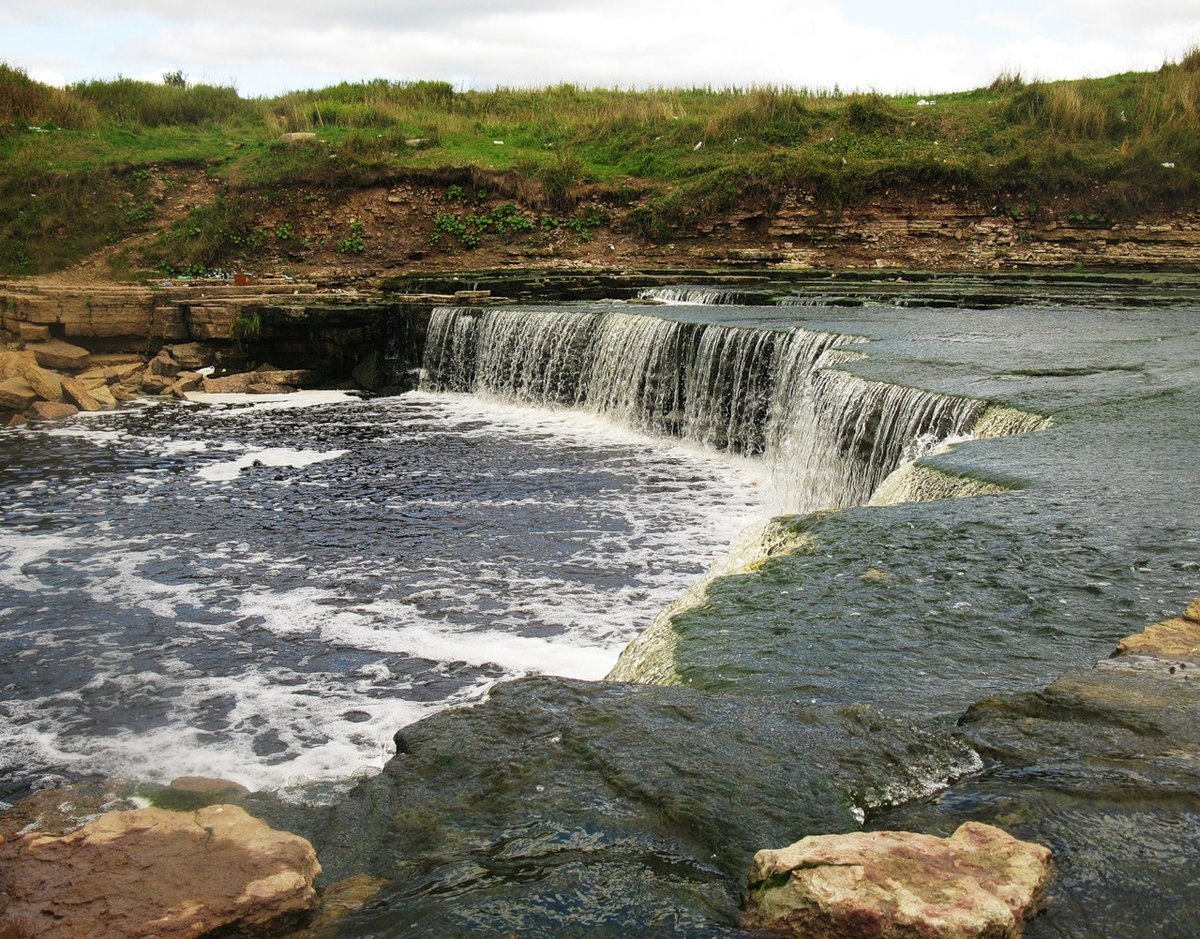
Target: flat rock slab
{"points": [[52, 410], [151, 872], [60, 355], [980, 881]]}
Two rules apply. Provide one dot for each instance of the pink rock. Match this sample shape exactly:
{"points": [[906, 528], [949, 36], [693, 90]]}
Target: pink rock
{"points": [[979, 882], [173, 875]]}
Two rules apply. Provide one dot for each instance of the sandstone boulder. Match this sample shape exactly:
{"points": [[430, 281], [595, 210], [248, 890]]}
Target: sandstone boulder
{"points": [[80, 395], [298, 137], [192, 355], [229, 384], [267, 388], [155, 873], [51, 410], [981, 881], [297, 377], [125, 393], [184, 382], [104, 397], [33, 332], [47, 384], [156, 384], [117, 359], [92, 378], [1193, 611], [163, 364], [15, 420], [61, 355], [11, 363], [16, 394]]}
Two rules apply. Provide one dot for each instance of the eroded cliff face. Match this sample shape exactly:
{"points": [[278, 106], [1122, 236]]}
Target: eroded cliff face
{"points": [[949, 231], [905, 228]]}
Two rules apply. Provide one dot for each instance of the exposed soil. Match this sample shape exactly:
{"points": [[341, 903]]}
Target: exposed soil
{"points": [[300, 229]]}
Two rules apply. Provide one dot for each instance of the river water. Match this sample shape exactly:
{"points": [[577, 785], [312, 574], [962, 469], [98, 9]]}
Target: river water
{"points": [[268, 591]]}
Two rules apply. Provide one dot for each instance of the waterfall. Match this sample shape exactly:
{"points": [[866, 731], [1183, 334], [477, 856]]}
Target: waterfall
{"points": [[828, 436], [708, 296]]}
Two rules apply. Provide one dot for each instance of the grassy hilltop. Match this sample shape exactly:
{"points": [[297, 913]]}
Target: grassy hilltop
{"points": [[83, 167]]}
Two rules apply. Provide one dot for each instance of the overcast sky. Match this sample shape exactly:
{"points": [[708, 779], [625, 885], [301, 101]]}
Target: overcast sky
{"points": [[924, 46]]}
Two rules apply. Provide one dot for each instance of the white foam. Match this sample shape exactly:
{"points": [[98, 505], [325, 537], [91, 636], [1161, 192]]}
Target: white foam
{"points": [[270, 456], [279, 402]]}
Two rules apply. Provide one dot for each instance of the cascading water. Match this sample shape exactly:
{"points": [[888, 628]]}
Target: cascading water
{"points": [[706, 296], [828, 436]]}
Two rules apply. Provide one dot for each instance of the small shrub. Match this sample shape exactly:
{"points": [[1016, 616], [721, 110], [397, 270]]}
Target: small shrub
{"points": [[354, 244]]}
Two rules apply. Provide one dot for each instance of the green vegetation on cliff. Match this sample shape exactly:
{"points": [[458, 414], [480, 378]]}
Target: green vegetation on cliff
{"points": [[70, 158]]}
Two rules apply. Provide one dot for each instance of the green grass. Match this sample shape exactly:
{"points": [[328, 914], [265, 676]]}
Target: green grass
{"points": [[686, 154]]}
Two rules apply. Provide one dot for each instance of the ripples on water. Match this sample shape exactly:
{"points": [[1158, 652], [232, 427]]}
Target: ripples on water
{"points": [[267, 593]]}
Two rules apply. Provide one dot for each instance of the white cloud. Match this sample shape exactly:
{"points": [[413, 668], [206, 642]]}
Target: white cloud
{"points": [[266, 48]]}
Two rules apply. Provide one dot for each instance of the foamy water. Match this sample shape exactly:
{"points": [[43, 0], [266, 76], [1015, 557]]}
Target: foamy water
{"points": [[268, 593]]}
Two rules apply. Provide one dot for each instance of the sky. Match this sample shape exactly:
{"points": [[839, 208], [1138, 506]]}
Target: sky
{"points": [[922, 47]]}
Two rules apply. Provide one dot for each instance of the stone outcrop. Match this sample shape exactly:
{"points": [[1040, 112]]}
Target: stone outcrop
{"points": [[151, 872], [981, 881]]}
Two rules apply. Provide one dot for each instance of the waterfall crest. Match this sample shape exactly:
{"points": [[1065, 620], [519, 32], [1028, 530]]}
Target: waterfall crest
{"points": [[828, 436]]}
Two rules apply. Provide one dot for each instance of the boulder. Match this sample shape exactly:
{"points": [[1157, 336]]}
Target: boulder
{"points": [[47, 384], [240, 383], [104, 397], [51, 410], [15, 420], [369, 373], [151, 872], [156, 384], [57, 354], [267, 388], [192, 355], [981, 881], [185, 382], [11, 363], [16, 394], [92, 378], [1193, 611], [33, 332], [229, 384], [117, 359], [125, 393], [284, 376], [298, 137], [163, 364], [79, 394], [124, 371]]}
